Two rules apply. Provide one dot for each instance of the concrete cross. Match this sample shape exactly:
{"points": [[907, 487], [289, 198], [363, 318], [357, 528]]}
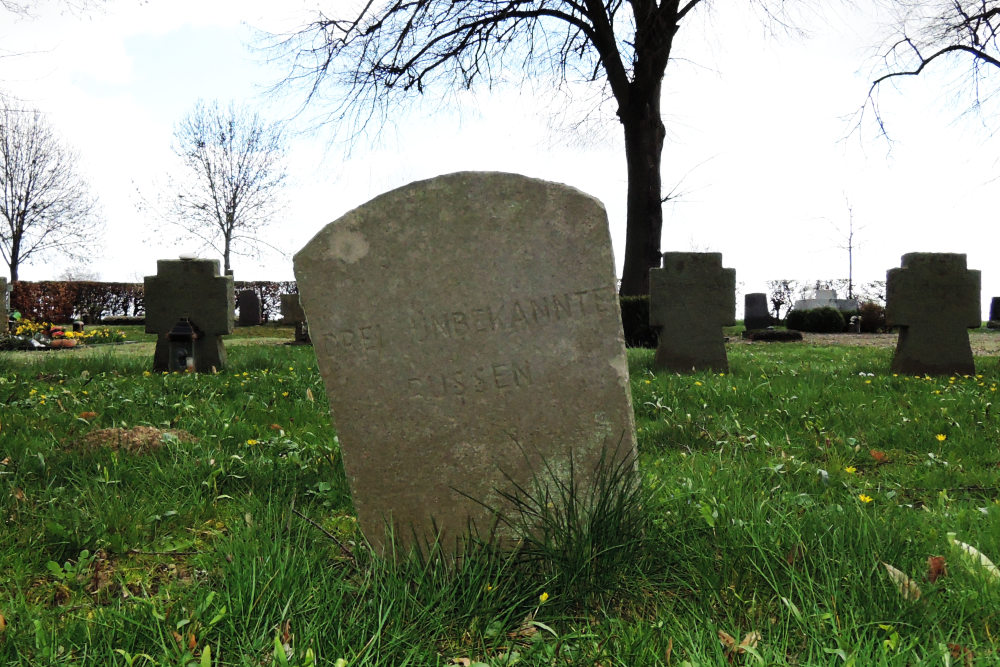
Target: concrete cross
{"points": [[690, 299], [193, 289], [933, 298]]}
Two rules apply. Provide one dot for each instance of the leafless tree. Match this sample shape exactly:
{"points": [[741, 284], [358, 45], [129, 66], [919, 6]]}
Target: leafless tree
{"points": [[234, 170], [935, 32], [45, 205], [387, 53]]}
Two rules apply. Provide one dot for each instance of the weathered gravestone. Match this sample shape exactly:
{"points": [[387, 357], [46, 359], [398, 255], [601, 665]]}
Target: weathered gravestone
{"points": [[994, 321], [292, 313], [190, 289], [249, 305], [3, 305], [933, 298], [690, 299], [755, 312], [468, 332]]}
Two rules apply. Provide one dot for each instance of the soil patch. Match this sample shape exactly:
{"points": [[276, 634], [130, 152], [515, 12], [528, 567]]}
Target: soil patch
{"points": [[136, 440]]}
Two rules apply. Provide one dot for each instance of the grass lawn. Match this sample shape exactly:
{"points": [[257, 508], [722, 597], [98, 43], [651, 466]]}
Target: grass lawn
{"points": [[164, 519]]}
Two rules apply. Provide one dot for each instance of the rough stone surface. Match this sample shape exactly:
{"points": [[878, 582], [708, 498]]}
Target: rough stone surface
{"points": [[755, 312], [690, 299], [249, 306], [994, 321], [190, 288], [4, 305], [292, 313], [468, 332], [933, 299]]}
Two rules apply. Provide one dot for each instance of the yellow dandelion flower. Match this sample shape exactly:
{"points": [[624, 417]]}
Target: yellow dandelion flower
{"points": [[941, 437], [697, 383], [863, 498], [252, 441], [649, 382], [543, 597], [868, 381], [285, 394], [850, 470]]}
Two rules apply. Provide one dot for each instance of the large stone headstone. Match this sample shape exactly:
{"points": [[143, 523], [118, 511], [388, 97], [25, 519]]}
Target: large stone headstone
{"points": [[292, 313], [755, 312], [933, 299], [192, 289], [468, 332], [690, 299], [249, 306]]}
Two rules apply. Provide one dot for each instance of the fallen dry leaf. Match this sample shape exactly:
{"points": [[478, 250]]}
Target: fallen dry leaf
{"points": [[3, 624], [906, 586], [750, 640], [880, 457], [309, 395], [975, 555], [286, 632], [959, 651], [936, 568], [276, 427], [17, 493], [87, 415]]}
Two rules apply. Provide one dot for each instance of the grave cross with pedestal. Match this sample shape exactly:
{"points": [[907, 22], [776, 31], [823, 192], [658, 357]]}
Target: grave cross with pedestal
{"points": [[189, 306], [690, 299], [933, 299], [292, 313]]}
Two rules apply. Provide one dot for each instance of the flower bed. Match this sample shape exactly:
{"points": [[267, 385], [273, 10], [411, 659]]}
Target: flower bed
{"points": [[43, 335]]}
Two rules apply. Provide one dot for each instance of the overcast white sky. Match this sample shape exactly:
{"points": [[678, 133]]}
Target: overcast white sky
{"points": [[759, 138]]}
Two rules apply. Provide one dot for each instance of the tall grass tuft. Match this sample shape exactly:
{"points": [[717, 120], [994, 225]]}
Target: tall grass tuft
{"points": [[580, 541]]}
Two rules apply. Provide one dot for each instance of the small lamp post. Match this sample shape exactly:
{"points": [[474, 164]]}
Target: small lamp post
{"points": [[181, 349]]}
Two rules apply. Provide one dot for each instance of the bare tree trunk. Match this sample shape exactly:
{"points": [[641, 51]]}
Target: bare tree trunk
{"points": [[644, 135]]}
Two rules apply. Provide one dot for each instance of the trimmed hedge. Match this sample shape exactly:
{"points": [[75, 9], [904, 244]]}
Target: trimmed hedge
{"points": [[61, 301], [269, 292], [635, 322], [817, 320]]}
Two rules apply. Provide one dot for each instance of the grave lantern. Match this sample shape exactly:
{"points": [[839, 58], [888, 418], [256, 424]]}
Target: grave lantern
{"points": [[180, 347]]}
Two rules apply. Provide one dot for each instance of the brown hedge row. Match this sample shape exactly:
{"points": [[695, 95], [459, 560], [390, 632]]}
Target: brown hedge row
{"points": [[61, 301]]}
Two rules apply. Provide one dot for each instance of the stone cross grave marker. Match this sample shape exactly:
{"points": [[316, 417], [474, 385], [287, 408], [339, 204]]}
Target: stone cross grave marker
{"points": [[4, 315], [933, 298], [690, 299], [468, 332], [994, 321], [292, 313], [249, 304], [755, 311], [193, 289]]}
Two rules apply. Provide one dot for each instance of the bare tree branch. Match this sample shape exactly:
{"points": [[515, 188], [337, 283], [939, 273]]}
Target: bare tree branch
{"points": [[932, 30]]}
